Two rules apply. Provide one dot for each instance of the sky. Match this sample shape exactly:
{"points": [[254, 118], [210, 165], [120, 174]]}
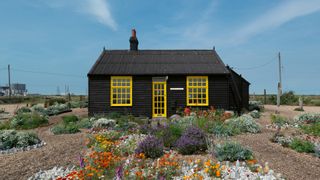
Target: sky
{"points": [[51, 44]]}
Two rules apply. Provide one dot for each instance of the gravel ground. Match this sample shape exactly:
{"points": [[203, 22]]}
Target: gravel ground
{"points": [[291, 164], [61, 150]]}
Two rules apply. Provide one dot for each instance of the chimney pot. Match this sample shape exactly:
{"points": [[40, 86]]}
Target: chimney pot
{"points": [[133, 41]]}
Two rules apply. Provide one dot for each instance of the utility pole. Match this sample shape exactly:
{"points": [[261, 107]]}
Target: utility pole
{"points": [[9, 81], [279, 83]]}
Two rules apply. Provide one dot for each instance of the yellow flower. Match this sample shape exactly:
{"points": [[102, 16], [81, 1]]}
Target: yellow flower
{"points": [[206, 170]]}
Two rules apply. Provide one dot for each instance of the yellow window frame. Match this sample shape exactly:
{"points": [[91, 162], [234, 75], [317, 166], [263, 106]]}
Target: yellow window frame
{"points": [[194, 85], [118, 83]]}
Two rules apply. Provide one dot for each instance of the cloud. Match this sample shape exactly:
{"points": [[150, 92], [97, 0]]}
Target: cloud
{"points": [[273, 18], [98, 9]]}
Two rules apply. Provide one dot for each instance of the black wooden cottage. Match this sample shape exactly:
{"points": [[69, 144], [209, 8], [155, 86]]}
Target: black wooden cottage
{"points": [[155, 83]]}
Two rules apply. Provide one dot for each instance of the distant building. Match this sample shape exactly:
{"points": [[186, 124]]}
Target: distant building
{"points": [[17, 89]]}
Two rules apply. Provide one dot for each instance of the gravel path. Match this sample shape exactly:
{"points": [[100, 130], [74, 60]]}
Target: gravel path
{"points": [[61, 150], [291, 164]]}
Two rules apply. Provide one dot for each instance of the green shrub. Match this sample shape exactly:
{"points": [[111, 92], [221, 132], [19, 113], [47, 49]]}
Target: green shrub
{"points": [[221, 129], [245, 123], [39, 109], [315, 102], [202, 123], [255, 105], [28, 120], [114, 115], [255, 114], [168, 134], [85, 123], [289, 98], [70, 128], [232, 151], [53, 101], [298, 109], [281, 139], [278, 120], [317, 150], [4, 125], [308, 118], [11, 138], [69, 118], [302, 146], [23, 110], [313, 129], [57, 109]]}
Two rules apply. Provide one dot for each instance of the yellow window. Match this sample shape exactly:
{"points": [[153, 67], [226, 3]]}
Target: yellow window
{"points": [[197, 91], [121, 91]]}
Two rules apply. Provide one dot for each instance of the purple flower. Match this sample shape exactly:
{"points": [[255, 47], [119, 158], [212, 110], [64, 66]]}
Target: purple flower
{"points": [[81, 160], [119, 172]]}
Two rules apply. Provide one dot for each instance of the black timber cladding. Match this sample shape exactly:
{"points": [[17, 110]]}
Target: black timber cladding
{"points": [[158, 62], [227, 89], [99, 95]]}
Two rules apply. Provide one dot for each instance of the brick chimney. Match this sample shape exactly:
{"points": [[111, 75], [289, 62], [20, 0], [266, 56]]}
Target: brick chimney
{"points": [[133, 41]]}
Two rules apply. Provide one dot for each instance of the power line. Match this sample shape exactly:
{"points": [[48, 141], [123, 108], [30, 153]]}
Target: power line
{"points": [[256, 67], [48, 73]]}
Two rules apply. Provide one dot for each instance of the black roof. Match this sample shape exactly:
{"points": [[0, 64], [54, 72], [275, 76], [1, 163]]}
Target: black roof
{"points": [[158, 62]]}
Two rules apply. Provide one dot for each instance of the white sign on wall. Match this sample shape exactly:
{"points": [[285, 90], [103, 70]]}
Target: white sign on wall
{"points": [[176, 89]]}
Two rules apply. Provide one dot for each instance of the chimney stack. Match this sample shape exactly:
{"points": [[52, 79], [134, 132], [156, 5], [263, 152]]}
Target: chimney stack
{"points": [[133, 41]]}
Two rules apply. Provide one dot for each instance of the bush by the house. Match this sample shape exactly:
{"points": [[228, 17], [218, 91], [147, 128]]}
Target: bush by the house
{"points": [[192, 140], [255, 105], [151, 147], [223, 129], [232, 151], [28, 120], [11, 138], [104, 123], [255, 114], [85, 123], [245, 123], [169, 133], [302, 145]]}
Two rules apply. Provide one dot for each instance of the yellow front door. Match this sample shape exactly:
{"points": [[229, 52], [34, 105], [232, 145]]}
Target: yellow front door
{"points": [[159, 99]]}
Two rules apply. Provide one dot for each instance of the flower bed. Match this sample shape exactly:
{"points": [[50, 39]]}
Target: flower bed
{"points": [[12, 141], [116, 154], [305, 132]]}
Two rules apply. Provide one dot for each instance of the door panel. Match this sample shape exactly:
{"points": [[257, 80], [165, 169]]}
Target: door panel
{"points": [[159, 99]]}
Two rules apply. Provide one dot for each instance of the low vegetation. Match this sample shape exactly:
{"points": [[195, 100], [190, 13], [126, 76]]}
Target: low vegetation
{"points": [[232, 151], [302, 146], [67, 126], [29, 120], [16, 139]]}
